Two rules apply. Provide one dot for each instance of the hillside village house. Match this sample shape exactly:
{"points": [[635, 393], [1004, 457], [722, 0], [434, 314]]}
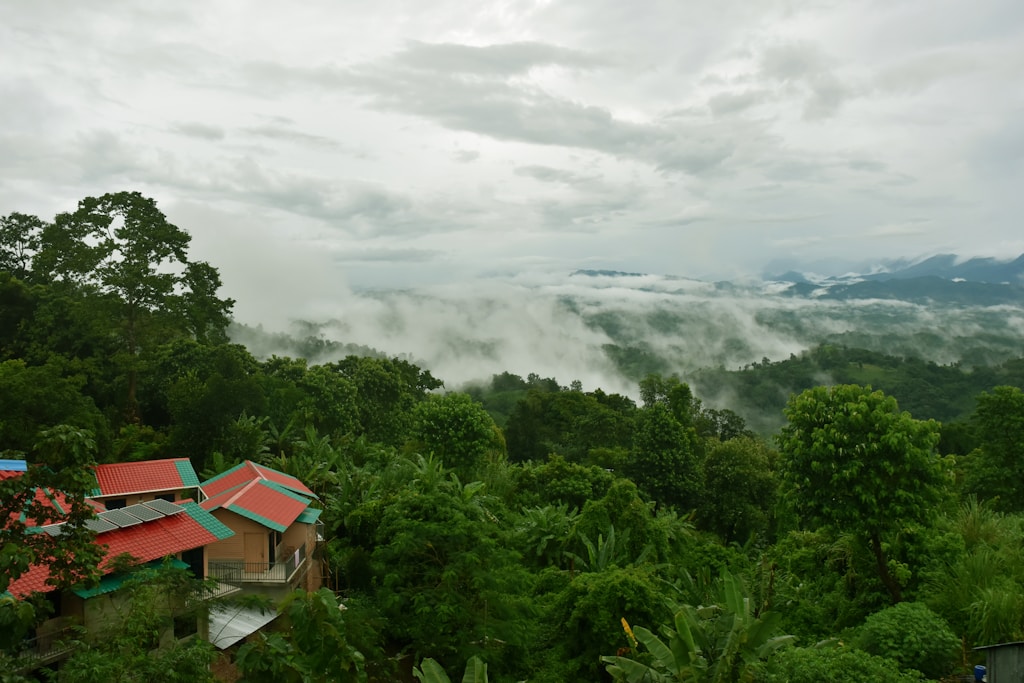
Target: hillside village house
{"points": [[254, 531]]}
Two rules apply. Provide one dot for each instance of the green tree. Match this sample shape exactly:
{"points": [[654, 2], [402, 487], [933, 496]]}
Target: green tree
{"points": [[387, 390], [585, 617], [121, 247], [996, 469], [19, 241], [835, 664], [33, 398], [458, 430], [739, 489], [61, 461], [568, 423], [444, 572], [854, 463], [313, 643], [665, 461], [913, 636]]}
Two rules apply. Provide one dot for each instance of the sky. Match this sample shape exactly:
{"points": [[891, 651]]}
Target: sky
{"points": [[340, 146]]}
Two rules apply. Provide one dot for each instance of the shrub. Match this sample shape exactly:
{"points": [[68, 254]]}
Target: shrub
{"points": [[912, 635], [835, 665]]}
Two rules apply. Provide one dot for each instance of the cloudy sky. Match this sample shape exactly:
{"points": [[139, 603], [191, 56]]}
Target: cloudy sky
{"points": [[334, 143]]}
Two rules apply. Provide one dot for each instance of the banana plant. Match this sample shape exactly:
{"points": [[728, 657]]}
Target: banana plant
{"points": [[430, 671], [721, 643]]}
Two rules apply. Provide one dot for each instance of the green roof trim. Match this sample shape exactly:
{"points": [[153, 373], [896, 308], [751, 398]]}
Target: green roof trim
{"points": [[207, 521], [53, 499], [291, 493], [112, 582], [187, 474], [224, 474], [259, 519], [309, 515]]}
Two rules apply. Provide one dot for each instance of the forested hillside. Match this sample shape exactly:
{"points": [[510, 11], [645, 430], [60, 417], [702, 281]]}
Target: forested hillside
{"points": [[842, 515]]}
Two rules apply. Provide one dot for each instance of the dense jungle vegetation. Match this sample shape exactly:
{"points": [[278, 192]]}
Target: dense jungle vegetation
{"points": [[523, 530]]}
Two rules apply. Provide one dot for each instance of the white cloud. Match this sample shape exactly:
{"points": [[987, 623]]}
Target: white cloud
{"points": [[411, 144]]}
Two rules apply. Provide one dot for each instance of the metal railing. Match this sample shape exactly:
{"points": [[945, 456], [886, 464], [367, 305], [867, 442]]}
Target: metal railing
{"points": [[239, 571], [48, 647]]}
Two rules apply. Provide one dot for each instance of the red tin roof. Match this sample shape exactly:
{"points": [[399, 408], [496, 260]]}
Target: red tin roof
{"points": [[145, 476], [262, 501], [249, 471], [54, 500], [145, 541]]}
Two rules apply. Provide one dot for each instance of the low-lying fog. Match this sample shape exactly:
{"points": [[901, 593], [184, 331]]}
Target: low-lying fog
{"points": [[562, 326]]}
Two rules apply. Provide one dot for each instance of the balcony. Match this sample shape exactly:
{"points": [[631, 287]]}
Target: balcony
{"points": [[54, 641], [239, 571]]}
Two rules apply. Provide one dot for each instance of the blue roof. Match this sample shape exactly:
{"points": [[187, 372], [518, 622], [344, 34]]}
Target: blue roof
{"points": [[13, 465]]}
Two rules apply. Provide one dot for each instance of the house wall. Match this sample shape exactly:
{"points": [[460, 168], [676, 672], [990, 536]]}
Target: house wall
{"points": [[233, 548], [132, 499], [295, 536]]}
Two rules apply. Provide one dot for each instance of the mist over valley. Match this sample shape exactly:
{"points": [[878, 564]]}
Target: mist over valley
{"points": [[608, 329]]}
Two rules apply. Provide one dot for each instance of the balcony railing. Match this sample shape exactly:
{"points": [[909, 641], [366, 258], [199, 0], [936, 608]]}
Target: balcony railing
{"points": [[239, 571], [50, 645]]}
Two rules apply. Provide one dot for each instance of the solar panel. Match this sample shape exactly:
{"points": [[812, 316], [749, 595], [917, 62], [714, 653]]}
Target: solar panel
{"points": [[146, 514], [120, 518], [52, 530], [99, 526], [164, 507]]}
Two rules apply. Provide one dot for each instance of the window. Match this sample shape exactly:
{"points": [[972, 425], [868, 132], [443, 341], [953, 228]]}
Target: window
{"points": [[116, 503], [169, 497], [185, 625]]}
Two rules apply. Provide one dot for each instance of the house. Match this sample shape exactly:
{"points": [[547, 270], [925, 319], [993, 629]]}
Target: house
{"points": [[1003, 662], [272, 550], [127, 483], [148, 532], [255, 531]]}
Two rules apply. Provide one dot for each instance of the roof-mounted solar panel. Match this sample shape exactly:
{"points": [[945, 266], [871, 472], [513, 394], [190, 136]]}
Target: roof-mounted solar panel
{"points": [[120, 518], [52, 529], [99, 526], [163, 507], [146, 514]]}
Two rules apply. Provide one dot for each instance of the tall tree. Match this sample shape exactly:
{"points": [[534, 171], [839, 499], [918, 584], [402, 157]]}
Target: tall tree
{"points": [[19, 241], [122, 247], [739, 489], [853, 462], [665, 462], [995, 469]]}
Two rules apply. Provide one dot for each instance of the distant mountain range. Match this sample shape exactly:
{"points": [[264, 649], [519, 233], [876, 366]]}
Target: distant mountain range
{"points": [[945, 278], [947, 266]]}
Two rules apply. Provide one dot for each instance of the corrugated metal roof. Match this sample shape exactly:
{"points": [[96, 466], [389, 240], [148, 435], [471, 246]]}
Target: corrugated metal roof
{"points": [[229, 624]]}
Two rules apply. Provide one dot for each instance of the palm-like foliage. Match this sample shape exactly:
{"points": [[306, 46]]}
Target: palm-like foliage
{"points": [[432, 672], [543, 532], [606, 552], [722, 643], [979, 593]]}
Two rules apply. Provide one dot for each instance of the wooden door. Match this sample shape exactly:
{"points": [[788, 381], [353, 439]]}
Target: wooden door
{"points": [[255, 552]]}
